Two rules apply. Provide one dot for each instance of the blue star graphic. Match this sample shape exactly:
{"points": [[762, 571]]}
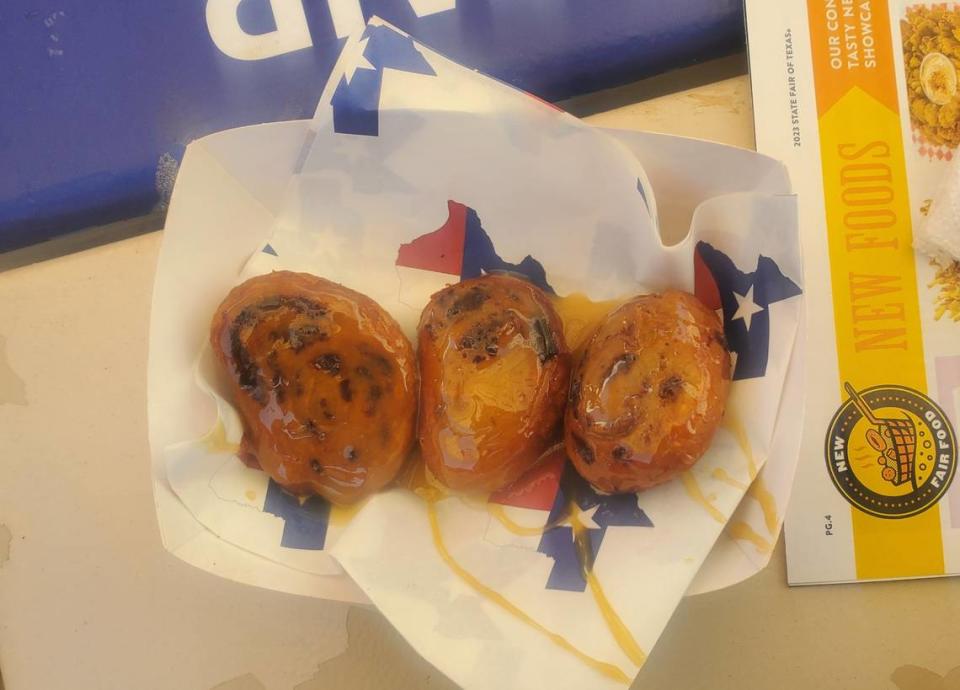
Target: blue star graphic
{"points": [[745, 298], [356, 100], [604, 512], [480, 257], [304, 526]]}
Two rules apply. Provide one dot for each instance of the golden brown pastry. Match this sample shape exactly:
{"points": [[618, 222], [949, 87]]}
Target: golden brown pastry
{"points": [[649, 393], [324, 380], [495, 368]]}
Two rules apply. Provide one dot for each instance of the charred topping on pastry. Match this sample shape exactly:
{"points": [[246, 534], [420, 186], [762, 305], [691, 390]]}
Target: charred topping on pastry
{"points": [[583, 450], [247, 372], [374, 394], [325, 408], [375, 358], [279, 391], [301, 336], [471, 301], [480, 341], [670, 388], [720, 339], [314, 430], [329, 363], [573, 399], [544, 343]]}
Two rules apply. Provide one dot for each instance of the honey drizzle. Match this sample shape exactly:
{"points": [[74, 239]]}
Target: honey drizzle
{"points": [[608, 670], [497, 511], [721, 475], [580, 315], [742, 531], [761, 494], [216, 441], [342, 515], [418, 480], [758, 490], [740, 434], [615, 624], [696, 494]]}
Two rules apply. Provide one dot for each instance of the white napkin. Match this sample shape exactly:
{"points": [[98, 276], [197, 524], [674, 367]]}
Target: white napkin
{"points": [[939, 235]]}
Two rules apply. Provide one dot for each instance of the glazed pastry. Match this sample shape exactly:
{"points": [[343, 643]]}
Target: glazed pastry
{"points": [[495, 368], [324, 380], [649, 393]]}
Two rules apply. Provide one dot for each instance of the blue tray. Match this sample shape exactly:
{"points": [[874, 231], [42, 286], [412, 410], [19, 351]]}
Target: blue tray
{"points": [[99, 99]]}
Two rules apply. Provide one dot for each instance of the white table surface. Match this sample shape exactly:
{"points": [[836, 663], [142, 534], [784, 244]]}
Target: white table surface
{"points": [[89, 598]]}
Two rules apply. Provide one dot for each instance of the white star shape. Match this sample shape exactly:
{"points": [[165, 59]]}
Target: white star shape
{"points": [[360, 63], [746, 307], [585, 517]]}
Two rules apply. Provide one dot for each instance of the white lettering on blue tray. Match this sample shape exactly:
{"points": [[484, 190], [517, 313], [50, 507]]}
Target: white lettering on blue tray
{"points": [[291, 33], [422, 8], [347, 17]]}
